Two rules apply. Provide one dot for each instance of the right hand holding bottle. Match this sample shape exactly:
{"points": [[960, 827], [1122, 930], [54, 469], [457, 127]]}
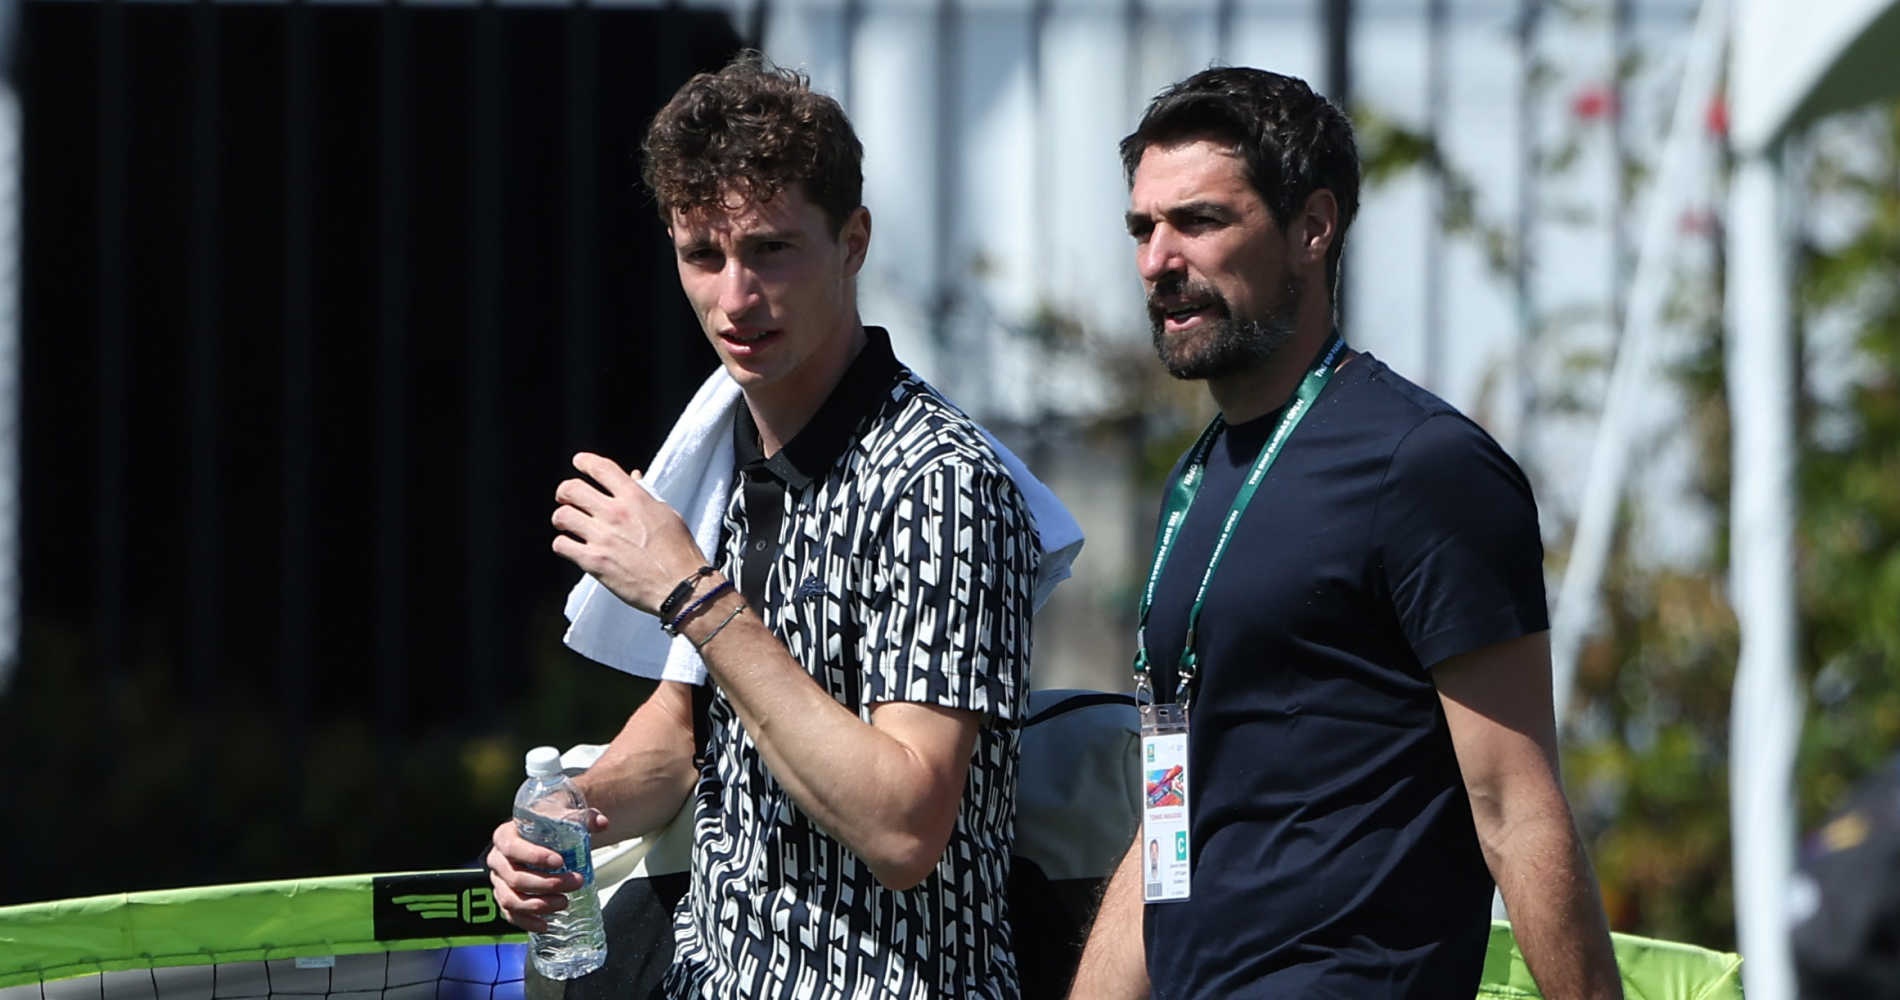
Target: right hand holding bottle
{"points": [[519, 871]]}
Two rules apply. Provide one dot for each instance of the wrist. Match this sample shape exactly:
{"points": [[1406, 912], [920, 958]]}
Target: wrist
{"points": [[681, 594], [706, 590], [713, 618]]}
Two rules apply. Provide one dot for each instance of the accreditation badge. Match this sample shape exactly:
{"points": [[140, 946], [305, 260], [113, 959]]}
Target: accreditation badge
{"points": [[1165, 863]]}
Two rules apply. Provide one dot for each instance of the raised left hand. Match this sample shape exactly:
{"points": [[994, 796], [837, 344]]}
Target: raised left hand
{"points": [[615, 531]]}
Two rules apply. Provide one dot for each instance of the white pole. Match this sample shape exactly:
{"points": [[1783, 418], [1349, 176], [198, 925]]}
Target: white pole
{"points": [[1676, 181], [1765, 720]]}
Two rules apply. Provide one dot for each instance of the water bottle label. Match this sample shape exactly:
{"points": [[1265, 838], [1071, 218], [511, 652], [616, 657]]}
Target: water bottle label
{"points": [[580, 858]]}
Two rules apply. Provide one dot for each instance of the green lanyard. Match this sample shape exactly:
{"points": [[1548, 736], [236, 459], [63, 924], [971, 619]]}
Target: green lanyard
{"points": [[1180, 498]]}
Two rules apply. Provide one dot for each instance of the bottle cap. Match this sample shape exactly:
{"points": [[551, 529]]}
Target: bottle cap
{"points": [[544, 762]]}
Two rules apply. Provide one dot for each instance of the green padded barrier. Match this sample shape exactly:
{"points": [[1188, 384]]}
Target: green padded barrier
{"points": [[258, 921], [362, 914], [1652, 970]]}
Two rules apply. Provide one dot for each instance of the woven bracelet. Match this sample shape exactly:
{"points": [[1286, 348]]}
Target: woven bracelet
{"points": [[673, 627]]}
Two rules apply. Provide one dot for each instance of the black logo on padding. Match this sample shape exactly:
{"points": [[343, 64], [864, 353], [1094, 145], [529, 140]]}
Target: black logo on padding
{"points": [[439, 904]]}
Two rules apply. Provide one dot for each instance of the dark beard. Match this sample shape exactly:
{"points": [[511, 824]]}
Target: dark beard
{"points": [[1225, 345]]}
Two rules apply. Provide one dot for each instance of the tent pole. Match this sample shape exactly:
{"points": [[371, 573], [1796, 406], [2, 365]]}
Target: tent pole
{"points": [[1766, 714], [1676, 183]]}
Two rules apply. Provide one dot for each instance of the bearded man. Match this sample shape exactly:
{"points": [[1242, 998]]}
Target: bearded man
{"points": [[1346, 615]]}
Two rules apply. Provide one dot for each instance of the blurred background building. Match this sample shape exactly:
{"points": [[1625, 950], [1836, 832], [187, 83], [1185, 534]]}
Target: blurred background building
{"points": [[1491, 251]]}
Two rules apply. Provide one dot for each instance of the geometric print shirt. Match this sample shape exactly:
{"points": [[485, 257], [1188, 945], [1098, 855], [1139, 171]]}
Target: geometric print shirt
{"points": [[897, 565]]}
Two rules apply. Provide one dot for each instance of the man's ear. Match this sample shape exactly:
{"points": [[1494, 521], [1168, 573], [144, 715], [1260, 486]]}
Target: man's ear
{"points": [[856, 237], [1315, 229]]}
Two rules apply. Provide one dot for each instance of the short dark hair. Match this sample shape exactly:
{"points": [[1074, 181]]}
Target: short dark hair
{"points": [[752, 129], [1292, 140]]}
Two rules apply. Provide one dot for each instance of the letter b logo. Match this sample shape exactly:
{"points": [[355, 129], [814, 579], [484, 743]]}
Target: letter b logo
{"points": [[478, 906]]}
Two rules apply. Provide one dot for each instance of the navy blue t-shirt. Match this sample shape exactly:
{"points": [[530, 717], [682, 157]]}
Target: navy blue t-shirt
{"points": [[1333, 847]]}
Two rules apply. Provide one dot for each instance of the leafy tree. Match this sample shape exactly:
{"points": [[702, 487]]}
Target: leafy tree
{"points": [[1850, 471], [1650, 762], [1647, 740]]}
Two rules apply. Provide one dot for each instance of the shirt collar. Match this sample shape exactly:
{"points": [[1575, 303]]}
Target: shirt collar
{"points": [[810, 453]]}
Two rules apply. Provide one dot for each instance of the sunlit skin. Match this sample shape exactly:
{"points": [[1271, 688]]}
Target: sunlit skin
{"points": [[774, 288], [1210, 254]]}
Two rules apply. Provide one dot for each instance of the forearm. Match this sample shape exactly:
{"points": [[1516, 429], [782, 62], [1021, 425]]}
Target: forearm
{"points": [[873, 792], [1114, 963], [645, 774], [1550, 894], [1497, 705]]}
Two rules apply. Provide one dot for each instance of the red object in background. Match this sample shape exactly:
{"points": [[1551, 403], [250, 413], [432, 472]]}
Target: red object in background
{"points": [[1716, 119], [1697, 222], [1593, 102]]}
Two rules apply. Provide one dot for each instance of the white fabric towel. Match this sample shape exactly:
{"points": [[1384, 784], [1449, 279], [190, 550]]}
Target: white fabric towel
{"points": [[692, 471]]}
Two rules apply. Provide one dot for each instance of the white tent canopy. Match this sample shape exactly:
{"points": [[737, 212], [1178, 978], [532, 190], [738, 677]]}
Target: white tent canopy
{"points": [[1795, 62]]}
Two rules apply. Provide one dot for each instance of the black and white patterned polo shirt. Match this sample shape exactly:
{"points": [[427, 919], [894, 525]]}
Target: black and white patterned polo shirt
{"points": [[898, 565]]}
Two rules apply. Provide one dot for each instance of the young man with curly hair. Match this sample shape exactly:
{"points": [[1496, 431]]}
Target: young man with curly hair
{"points": [[865, 620]]}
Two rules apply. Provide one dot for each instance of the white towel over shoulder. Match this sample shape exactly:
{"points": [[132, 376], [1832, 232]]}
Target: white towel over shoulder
{"points": [[692, 471]]}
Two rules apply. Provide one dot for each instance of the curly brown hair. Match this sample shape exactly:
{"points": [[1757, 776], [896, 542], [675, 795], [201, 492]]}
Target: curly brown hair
{"points": [[751, 130]]}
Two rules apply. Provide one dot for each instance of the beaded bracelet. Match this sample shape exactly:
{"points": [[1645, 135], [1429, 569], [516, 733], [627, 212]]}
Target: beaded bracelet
{"points": [[673, 627], [721, 627]]}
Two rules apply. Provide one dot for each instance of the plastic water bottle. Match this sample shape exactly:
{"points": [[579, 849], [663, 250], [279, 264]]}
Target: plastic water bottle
{"points": [[551, 812]]}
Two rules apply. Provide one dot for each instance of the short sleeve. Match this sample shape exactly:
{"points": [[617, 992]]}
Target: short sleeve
{"points": [[955, 568], [1458, 542]]}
